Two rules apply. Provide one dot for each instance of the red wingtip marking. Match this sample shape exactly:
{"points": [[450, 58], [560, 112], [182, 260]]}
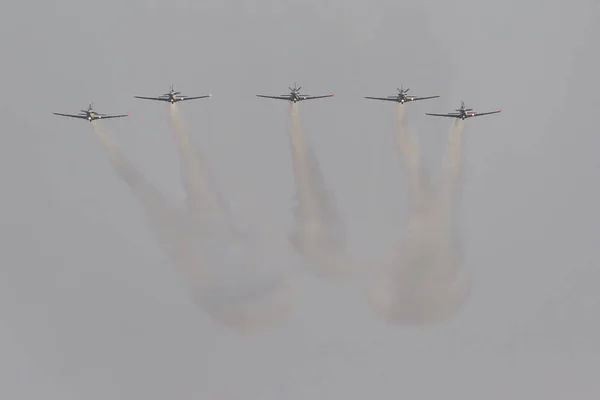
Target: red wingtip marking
{"points": [[333, 95]]}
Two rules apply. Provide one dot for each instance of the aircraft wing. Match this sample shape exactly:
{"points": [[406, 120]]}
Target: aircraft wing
{"points": [[423, 98], [445, 115], [192, 98], [71, 115], [316, 97], [395, 98], [274, 97], [112, 116], [152, 98], [486, 113]]}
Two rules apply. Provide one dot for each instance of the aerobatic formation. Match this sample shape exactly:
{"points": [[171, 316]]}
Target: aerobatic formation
{"points": [[246, 282], [294, 96]]}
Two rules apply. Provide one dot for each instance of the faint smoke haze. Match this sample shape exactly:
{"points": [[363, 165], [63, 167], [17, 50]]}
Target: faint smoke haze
{"points": [[424, 282], [242, 283], [318, 234]]}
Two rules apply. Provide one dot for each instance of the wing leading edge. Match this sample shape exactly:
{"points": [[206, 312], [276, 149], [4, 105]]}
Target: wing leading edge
{"points": [[71, 115], [487, 113], [445, 115], [424, 98], [111, 116], [395, 99], [152, 98], [192, 98], [274, 97], [317, 97]]}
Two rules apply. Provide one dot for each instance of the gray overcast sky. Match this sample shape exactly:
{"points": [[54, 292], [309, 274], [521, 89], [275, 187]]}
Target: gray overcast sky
{"points": [[90, 304]]}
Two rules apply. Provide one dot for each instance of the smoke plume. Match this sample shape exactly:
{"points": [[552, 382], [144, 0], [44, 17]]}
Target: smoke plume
{"points": [[424, 281], [243, 285], [318, 234]]}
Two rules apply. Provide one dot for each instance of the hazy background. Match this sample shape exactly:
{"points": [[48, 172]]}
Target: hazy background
{"points": [[90, 304]]}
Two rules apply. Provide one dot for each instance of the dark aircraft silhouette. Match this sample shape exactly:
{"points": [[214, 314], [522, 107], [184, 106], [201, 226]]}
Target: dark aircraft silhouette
{"points": [[464, 113], [172, 96], [402, 97], [90, 114], [295, 95]]}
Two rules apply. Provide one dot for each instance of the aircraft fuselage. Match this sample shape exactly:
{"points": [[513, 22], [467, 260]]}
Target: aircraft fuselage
{"points": [[464, 115]]}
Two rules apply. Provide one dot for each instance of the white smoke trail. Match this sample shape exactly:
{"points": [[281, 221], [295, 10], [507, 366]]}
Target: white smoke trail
{"points": [[424, 282], [452, 168], [241, 286], [168, 222], [317, 234], [204, 199], [410, 154]]}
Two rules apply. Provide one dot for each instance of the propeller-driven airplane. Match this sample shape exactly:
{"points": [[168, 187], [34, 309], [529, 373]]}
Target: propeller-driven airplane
{"points": [[90, 114], [172, 96], [464, 113], [295, 95], [402, 97]]}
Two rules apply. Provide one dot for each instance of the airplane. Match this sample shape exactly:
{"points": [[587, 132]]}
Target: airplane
{"points": [[464, 113], [90, 114], [172, 96], [401, 97], [295, 95]]}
